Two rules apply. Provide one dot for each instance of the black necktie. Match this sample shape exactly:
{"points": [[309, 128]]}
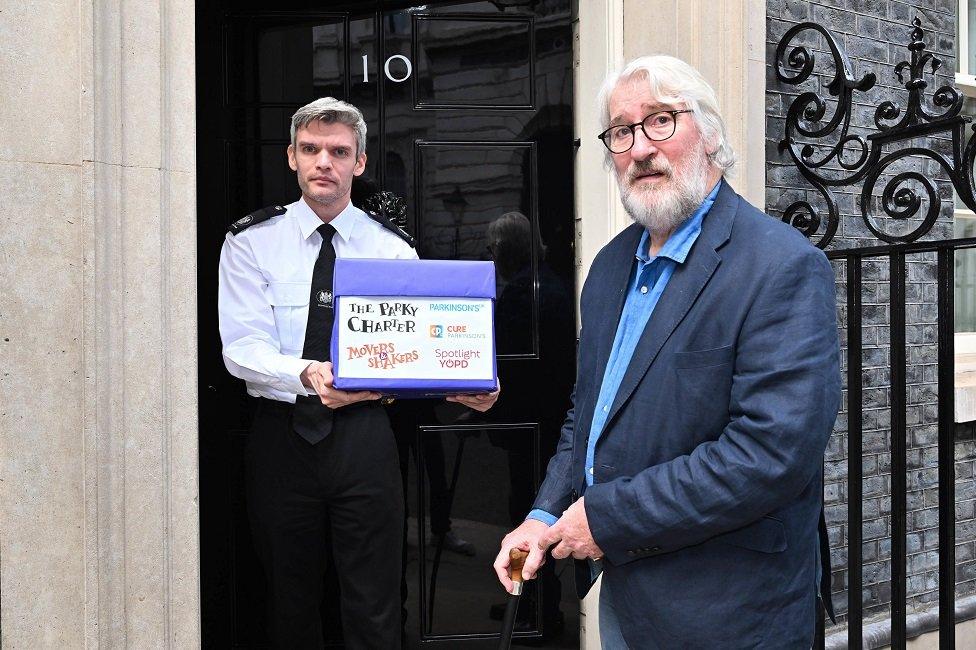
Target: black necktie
{"points": [[312, 419]]}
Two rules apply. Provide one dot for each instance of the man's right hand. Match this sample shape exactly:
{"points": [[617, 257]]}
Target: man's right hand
{"points": [[318, 376], [525, 538]]}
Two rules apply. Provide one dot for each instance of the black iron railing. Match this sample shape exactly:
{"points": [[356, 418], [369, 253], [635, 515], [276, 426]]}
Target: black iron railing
{"points": [[895, 255], [829, 155]]}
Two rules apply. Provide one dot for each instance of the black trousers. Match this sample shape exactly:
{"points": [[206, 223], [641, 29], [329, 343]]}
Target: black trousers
{"points": [[347, 488]]}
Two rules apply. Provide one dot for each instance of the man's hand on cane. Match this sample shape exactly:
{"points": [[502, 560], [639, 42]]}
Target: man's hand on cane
{"points": [[524, 538], [571, 535]]}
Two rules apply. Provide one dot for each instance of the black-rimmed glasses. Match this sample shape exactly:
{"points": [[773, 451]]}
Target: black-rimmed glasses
{"points": [[656, 126]]}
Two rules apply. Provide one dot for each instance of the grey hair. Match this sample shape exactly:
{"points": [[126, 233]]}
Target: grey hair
{"points": [[331, 110], [510, 238], [515, 227], [672, 81]]}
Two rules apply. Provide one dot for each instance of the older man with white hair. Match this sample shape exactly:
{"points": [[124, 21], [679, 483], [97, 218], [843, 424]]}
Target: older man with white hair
{"points": [[689, 468]]}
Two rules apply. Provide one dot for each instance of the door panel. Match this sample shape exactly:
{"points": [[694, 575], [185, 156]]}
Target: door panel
{"points": [[458, 592], [453, 224], [299, 58], [462, 188], [469, 119], [449, 49]]}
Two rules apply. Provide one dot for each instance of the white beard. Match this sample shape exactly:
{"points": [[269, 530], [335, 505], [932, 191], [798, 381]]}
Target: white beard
{"points": [[662, 209]]}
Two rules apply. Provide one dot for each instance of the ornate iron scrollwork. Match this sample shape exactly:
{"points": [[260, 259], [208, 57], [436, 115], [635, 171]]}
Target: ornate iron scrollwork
{"points": [[856, 158]]}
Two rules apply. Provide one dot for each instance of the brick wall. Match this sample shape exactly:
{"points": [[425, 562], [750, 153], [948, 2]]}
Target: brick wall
{"points": [[874, 34]]}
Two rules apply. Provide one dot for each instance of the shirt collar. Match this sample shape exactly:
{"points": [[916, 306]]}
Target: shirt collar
{"points": [[681, 240], [344, 222]]}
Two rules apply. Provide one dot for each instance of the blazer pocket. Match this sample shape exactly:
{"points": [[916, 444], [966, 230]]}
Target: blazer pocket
{"points": [[703, 358], [766, 535]]}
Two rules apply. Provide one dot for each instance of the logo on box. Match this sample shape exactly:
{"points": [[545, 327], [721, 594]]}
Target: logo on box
{"points": [[456, 358]]}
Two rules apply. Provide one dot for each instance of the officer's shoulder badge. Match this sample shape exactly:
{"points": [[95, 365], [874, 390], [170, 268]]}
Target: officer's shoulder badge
{"points": [[257, 216]]}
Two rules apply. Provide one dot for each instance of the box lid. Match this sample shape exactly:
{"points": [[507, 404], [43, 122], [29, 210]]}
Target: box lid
{"points": [[384, 277]]}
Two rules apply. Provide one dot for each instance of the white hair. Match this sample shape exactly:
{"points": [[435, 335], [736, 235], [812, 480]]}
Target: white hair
{"points": [[672, 81], [331, 110]]}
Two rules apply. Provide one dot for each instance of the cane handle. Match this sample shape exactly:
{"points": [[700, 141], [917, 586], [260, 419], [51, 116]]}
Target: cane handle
{"points": [[516, 560]]}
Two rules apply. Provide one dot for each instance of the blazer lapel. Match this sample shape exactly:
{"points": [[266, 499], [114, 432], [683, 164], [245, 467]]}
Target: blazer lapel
{"points": [[617, 280], [683, 288]]}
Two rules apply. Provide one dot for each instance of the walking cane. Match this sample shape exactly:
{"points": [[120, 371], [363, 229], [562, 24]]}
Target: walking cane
{"points": [[516, 562]]}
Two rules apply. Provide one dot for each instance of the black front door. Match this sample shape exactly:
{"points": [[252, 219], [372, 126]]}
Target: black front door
{"points": [[468, 106]]}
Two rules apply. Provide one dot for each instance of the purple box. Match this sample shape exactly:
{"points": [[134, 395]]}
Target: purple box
{"points": [[414, 328]]}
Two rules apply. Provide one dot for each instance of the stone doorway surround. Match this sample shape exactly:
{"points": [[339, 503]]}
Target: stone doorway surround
{"points": [[98, 388]]}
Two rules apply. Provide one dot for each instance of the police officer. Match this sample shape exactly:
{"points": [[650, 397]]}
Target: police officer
{"points": [[321, 463]]}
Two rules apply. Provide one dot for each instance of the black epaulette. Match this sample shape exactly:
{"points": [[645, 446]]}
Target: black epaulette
{"points": [[257, 216], [392, 227]]}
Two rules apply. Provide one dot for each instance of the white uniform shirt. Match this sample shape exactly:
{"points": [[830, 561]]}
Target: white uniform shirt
{"points": [[265, 281]]}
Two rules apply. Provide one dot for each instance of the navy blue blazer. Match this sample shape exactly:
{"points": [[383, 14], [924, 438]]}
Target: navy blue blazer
{"points": [[707, 477]]}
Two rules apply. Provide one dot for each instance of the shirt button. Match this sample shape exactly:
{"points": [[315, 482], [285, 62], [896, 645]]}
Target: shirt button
{"points": [[643, 289], [591, 471], [606, 409]]}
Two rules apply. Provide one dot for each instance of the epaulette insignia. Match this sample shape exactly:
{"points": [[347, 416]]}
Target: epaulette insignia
{"points": [[257, 216]]}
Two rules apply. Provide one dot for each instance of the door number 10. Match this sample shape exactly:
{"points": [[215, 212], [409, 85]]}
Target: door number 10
{"points": [[386, 68]]}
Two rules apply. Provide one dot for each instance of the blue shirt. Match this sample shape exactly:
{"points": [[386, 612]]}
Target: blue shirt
{"points": [[650, 277]]}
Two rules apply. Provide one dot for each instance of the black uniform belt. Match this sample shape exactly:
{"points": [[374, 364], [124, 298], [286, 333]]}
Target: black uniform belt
{"points": [[287, 408], [275, 405]]}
